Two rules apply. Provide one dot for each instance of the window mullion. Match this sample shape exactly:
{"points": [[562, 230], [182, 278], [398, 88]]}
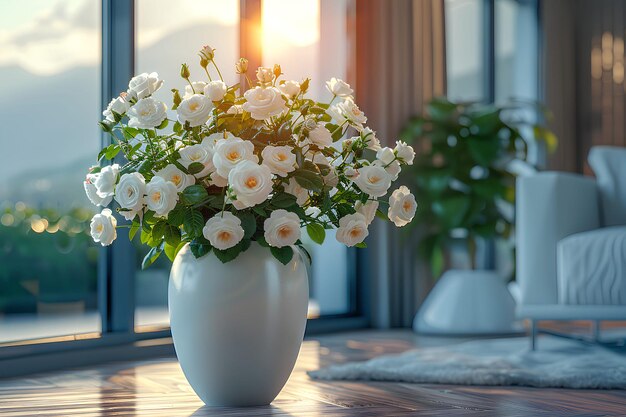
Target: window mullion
{"points": [[116, 270]]}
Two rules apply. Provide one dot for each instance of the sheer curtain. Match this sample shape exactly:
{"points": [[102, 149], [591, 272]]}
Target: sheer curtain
{"points": [[400, 61]]}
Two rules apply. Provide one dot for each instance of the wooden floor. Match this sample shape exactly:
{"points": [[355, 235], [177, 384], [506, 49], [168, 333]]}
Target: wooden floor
{"points": [[158, 388]]}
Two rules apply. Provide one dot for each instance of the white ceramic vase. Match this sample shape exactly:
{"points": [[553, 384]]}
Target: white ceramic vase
{"points": [[237, 327]]}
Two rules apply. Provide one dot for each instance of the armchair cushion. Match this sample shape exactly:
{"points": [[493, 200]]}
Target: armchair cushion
{"points": [[609, 165], [592, 267]]}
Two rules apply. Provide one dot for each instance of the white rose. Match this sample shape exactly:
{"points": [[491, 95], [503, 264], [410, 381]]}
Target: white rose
{"points": [[265, 75], [352, 229], [351, 111], [251, 183], [195, 110], [148, 113], [176, 176], [223, 230], [118, 105], [386, 155], [215, 90], [336, 114], [198, 88], [143, 85], [231, 151], [402, 206], [290, 88], [369, 136], [351, 173], [331, 179], [218, 180], [92, 191], [130, 194], [106, 179], [368, 210], [280, 159], [201, 153], [339, 87], [405, 152], [161, 196], [235, 109], [394, 169], [321, 136], [103, 227], [313, 212], [263, 103], [282, 228], [301, 193], [373, 180]]}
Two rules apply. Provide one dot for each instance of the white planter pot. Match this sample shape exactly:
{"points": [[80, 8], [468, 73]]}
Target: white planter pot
{"points": [[467, 303], [237, 327]]}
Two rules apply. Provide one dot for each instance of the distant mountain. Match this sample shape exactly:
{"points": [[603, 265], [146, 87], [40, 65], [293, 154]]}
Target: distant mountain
{"points": [[48, 124]]}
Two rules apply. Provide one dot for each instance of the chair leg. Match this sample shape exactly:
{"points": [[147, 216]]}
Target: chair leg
{"points": [[533, 335]]}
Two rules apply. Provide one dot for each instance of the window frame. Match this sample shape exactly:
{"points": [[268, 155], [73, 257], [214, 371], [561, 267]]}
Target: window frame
{"points": [[116, 263]]}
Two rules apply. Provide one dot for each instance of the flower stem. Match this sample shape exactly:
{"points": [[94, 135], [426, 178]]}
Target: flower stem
{"points": [[218, 70], [207, 73]]}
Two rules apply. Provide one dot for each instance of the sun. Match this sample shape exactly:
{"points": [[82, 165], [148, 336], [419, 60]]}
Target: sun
{"points": [[290, 23]]}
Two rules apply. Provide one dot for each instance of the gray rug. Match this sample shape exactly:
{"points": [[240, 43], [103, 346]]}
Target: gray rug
{"points": [[557, 362]]}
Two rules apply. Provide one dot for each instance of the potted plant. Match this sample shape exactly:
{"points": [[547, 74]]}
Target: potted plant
{"points": [[224, 190], [468, 156]]}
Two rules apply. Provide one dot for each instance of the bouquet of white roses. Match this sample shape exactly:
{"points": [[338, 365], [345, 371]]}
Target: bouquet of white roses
{"points": [[240, 165]]}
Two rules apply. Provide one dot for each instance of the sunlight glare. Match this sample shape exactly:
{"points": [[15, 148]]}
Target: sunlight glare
{"points": [[288, 22]]}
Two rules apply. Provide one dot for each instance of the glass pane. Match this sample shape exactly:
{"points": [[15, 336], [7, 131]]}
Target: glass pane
{"points": [[166, 37], [50, 102], [308, 38], [464, 49], [516, 50]]}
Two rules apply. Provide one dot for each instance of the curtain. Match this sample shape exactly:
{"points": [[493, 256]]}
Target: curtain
{"points": [[400, 65]]}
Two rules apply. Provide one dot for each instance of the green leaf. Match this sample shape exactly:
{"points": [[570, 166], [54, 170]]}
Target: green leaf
{"points": [[259, 210], [195, 167], [130, 133], [178, 128], [231, 253], [248, 223], [361, 245], [283, 200], [176, 216], [283, 254], [171, 251], [436, 261], [441, 109], [200, 247], [106, 127], [158, 230], [193, 223], [151, 256], [484, 151], [195, 194], [172, 235], [308, 179], [261, 241], [134, 228], [109, 152], [163, 124], [316, 232], [451, 210]]}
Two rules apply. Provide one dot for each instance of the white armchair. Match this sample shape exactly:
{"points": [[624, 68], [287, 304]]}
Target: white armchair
{"points": [[564, 271]]}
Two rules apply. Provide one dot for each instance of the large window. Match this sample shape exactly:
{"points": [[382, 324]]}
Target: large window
{"points": [[50, 77], [165, 37], [308, 39], [56, 56], [492, 50]]}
